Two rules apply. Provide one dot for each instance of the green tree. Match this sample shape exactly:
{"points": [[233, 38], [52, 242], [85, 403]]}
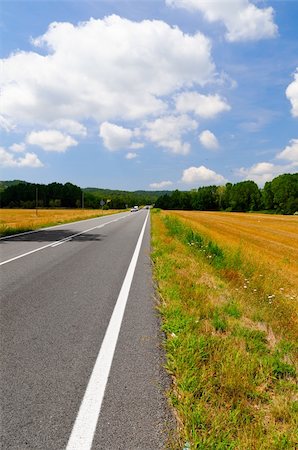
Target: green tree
{"points": [[285, 193], [268, 196], [245, 196]]}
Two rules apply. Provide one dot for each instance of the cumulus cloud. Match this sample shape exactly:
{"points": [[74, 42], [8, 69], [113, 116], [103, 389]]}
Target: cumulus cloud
{"points": [[51, 140], [205, 106], [167, 132], [70, 126], [260, 172], [18, 148], [103, 69], [290, 153], [6, 124], [242, 19], [292, 94], [266, 171], [201, 176], [161, 185], [28, 160], [131, 155], [116, 137], [208, 140]]}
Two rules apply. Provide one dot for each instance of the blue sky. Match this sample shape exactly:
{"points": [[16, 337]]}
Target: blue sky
{"points": [[157, 94]]}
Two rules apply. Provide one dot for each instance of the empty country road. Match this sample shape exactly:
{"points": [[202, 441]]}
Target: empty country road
{"points": [[81, 363]]}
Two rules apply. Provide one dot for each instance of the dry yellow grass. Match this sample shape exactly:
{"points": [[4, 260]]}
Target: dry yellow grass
{"points": [[20, 219]]}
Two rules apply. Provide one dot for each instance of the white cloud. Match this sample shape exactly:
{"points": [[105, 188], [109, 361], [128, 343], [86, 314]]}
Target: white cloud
{"points": [[167, 132], [28, 160], [242, 19], [161, 185], [18, 148], [116, 137], [208, 140], [292, 94], [266, 171], [131, 155], [70, 126], [201, 176], [205, 106], [51, 140], [262, 172], [136, 145], [290, 153], [103, 69], [6, 124]]}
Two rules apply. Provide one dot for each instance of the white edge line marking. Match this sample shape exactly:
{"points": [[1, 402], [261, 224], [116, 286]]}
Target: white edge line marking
{"points": [[59, 225], [60, 243], [55, 244], [83, 431]]}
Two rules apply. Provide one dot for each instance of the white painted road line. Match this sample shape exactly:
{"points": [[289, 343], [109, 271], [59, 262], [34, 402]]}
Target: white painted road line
{"points": [[60, 241], [83, 431]]}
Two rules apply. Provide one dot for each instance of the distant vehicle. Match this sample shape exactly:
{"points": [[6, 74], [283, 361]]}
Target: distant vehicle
{"points": [[134, 209]]}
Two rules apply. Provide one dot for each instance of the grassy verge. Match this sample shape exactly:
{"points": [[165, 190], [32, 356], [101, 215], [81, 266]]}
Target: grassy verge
{"points": [[27, 220], [230, 346]]}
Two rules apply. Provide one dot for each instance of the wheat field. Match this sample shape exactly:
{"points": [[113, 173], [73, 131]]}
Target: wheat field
{"points": [[228, 289], [267, 240], [14, 220]]}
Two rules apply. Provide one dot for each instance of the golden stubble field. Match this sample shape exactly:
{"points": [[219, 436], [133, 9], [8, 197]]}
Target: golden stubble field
{"points": [[26, 219], [228, 289], [268, 241]]}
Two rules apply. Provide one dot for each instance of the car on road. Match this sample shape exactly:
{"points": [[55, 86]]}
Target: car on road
{"points": [[134, 209]]}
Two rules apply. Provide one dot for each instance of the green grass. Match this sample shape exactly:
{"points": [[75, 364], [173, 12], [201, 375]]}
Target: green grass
{"points": [[234, 381], [9, 231], [210, 250]]}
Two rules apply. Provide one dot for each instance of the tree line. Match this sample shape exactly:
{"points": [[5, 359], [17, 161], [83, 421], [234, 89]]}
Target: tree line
{"points": [[30, 195], [278, 196], [20, 194]]}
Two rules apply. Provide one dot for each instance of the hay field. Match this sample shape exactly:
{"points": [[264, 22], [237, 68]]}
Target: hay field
{"points": [[17, 220], [268, 241], [228, 290]]}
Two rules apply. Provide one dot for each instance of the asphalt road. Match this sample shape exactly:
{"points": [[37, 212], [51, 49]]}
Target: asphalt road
{"points": [[58, 294]]}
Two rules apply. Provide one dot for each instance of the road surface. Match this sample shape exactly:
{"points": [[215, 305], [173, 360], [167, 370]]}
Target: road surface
{"points": [[80, 342]]}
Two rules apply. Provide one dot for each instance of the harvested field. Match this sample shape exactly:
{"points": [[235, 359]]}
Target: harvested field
{"points": [[268, 240], [228, 290], [17, 220]]}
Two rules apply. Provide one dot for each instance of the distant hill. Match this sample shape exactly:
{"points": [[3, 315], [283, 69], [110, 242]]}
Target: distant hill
{"points": [[5, 184], [119, 199], [105, 192]]}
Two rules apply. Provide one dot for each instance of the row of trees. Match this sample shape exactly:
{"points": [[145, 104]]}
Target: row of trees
{"points": [[29, 195], [20, 194], [279, 195]]}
